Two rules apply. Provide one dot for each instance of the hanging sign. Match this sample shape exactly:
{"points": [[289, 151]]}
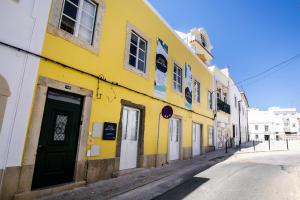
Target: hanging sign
{"points": [[161, 68], [167, 112], [188, 86]]}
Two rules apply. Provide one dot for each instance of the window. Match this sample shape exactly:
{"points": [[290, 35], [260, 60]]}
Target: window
{"points": [[219, 93], [235, 102], [197, 91], [256, 137], [130, 124], [266, 128], [203, 41], [78, 18], [256, 127], [137, 52], [177, 78], [225, 97], [210, 103]]}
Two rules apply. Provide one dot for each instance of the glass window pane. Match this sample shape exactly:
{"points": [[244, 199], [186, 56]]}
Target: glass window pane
{"points": [[133, 124], [85, 34], [60, 127], [74, 1], [124, 123], [133, 49], [141, 55], [143, 45], [174, 85], [67, 24], [70, 10], [132, 60], [141, 65], [89, 7], [87, 21], [134, 39], [177, 130]]}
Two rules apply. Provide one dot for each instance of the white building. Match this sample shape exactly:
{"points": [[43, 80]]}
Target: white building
{"points": [[230, 105], [244, 106], [23, 25], [274, 123], [222, 123], [231, 124], [197, 39]]}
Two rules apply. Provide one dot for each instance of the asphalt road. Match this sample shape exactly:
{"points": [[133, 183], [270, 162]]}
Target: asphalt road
{"points": [[249, 176]]}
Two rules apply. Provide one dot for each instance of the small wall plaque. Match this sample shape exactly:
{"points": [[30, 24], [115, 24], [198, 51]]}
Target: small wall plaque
{"points": [[109, 131], [95, 150], [97, 130]]}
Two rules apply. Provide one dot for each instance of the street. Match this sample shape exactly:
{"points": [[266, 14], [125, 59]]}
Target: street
{"points": [[246, 176]]}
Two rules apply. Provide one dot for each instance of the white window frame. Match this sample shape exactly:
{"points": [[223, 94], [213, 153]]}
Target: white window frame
{"points": [[197, 96], [175, 88], [125, 135], [210, 100], [137, 56], [266, 128], [127, 66], [78, 18]]}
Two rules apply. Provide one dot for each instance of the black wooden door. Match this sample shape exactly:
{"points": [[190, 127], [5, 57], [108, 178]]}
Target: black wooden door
{"points": [[57, 148]]}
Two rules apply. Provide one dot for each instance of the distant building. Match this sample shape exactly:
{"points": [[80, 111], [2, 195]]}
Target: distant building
{"points": [[197, 39], [274, 123]]}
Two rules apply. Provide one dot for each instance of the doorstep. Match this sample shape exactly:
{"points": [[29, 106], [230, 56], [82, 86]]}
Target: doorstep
{"points": [[35, 194]]}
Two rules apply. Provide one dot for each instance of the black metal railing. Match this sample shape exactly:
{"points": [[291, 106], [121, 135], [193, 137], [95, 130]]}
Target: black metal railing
{"points": [[223, 106]]}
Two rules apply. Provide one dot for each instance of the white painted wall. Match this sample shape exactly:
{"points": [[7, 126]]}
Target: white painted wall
{"points": [[234, 115], [23, 24], [237, 117], [222, 123], [274, 117]]}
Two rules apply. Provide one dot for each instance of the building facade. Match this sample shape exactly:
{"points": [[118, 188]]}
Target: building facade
{"points": [[103, 77], [231, 105], [222, 108], [275, 123], [23, 25]]}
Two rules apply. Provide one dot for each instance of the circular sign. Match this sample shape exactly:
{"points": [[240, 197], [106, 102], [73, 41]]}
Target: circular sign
{"points": [[167, 112]]}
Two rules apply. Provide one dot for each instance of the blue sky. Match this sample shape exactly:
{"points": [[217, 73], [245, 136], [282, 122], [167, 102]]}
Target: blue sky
{"points": [[249, 36]]}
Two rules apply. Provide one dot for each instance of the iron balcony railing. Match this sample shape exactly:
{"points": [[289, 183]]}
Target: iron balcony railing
{"points": [[223, 106]]}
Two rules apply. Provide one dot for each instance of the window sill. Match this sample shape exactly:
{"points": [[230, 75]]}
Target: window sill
{"points": [[177, 92], [71, 38], [139, 73]]}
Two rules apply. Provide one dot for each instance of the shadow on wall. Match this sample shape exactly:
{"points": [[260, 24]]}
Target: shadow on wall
{"points": [[183, 190]]}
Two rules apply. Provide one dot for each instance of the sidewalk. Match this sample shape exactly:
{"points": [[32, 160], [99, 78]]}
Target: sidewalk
{"points": [[150, 182]]}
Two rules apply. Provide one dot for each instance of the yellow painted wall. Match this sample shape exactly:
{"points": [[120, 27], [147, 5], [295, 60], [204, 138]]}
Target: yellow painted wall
{"points": [[110, 64]]}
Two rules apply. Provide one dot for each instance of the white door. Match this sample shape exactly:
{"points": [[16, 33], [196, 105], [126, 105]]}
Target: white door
{"points": [[196, 139], [130, 132], [174, 138]]}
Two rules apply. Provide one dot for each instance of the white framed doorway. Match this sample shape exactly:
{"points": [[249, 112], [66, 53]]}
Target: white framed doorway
{"points": [[130, 137], [174, 138], [196, 139]]}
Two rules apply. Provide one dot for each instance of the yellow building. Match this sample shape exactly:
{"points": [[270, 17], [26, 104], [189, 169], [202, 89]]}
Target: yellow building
{"points": [[108, 69]]}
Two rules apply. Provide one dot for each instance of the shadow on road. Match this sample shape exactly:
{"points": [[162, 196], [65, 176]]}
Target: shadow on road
{"points": [[183, 190]]}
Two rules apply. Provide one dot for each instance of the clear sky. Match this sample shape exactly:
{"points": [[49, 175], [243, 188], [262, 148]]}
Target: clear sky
{"points": [[249, 36]]}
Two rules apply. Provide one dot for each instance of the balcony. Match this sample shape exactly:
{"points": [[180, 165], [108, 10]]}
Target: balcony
{"points": [[223, 106]]}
